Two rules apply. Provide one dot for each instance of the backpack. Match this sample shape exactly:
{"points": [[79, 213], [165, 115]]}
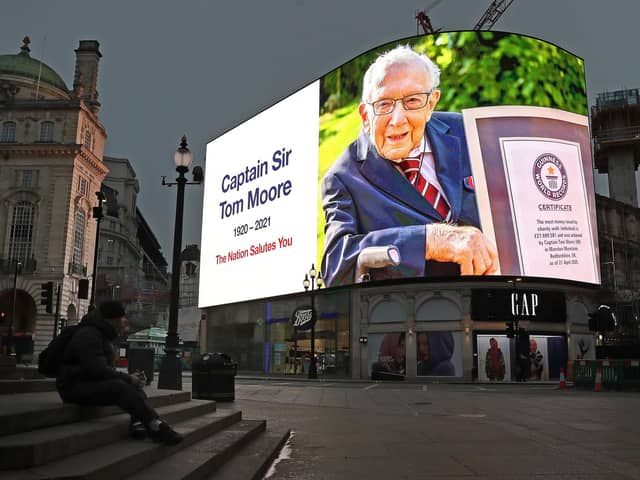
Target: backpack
{"points": [[50, 359]]}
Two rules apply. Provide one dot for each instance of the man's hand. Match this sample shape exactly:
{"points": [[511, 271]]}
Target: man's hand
{"points": [[466, 246], [135, 379]]}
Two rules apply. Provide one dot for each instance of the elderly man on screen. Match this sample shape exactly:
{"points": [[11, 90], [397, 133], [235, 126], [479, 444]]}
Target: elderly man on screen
{"points": [[404, 182]]}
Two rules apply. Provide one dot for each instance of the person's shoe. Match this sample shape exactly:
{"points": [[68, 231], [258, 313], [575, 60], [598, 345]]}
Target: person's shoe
{"points": [[137, 431], [165, 434]]}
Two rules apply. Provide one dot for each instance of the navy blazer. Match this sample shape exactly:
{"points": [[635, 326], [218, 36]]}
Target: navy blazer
{"points": [[368, 202]]}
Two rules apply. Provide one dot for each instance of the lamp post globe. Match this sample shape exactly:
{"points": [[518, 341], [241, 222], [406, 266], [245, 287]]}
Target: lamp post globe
{"points": [[183, 156]]}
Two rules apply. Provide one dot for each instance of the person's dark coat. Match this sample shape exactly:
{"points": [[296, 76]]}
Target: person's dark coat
{"points": [[367, 202], [89, 356]]}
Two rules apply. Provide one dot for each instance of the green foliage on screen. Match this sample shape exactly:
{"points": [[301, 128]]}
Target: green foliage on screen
{"points": [[477, 69]]}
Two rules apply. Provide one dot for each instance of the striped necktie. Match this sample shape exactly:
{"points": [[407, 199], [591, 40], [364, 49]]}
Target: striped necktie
{"points": [[411, 168]]}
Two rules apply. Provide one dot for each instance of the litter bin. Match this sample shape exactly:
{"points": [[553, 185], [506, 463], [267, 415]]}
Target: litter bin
{"points": [[141, 359], [213, 377]]}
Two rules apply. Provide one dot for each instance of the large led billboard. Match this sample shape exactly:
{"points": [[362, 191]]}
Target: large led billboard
{"points": [[458, 153]]}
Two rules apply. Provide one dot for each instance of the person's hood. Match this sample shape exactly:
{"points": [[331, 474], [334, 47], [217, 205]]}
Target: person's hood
{"points": [[441, 345], [95, 320]]}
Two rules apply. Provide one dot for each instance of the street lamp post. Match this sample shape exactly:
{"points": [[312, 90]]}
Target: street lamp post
{"points": [[170, 375], [314, 280], [17, 270]]}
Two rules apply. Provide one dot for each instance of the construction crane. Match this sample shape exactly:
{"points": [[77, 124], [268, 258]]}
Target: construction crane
{"points": [[486, 22], [492, 14]]}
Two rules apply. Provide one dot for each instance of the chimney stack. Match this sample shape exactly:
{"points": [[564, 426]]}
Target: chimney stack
{"points": [[86, 74]]}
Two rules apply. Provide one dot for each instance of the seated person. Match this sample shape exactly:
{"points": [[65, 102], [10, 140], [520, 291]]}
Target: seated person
{"points": [[88, 377]]}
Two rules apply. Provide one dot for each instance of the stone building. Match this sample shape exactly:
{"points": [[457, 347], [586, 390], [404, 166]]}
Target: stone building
{"points": [[131, 267], [189, 276], [51, 164]]}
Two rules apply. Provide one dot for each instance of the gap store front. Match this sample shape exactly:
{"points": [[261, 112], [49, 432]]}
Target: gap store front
{"points": [[433, 181]]}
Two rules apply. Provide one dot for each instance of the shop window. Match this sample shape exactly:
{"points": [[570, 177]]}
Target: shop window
{"points": [[438, 308], [387, 311]]}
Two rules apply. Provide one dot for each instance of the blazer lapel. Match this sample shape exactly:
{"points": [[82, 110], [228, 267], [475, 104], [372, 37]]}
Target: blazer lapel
{"points": [[448, 158], [383, 175]]}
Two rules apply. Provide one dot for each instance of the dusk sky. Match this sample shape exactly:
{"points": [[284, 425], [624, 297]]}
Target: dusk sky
{"points": [[202, 67]]}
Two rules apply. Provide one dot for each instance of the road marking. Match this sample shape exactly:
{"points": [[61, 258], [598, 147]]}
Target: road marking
{"points": [[282, 383], [371, 386], [472, 415]]}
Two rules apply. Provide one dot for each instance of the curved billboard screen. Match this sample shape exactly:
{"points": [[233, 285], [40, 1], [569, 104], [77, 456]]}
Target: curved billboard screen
{"points": [[458, 153]]}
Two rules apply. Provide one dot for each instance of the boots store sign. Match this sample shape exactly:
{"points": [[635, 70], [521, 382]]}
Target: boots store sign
{"points": [[497, 305], [303, 318]]}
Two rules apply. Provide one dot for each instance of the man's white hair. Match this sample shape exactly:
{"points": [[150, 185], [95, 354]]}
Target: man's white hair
{"points": [[400, 55]]}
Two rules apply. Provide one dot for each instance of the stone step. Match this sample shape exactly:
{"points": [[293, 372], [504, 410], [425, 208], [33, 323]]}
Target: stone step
{"points": [[28, 449], [30, 385], [123, 458], [200, 459], [17, 372], [255, 458], [32, 411]]}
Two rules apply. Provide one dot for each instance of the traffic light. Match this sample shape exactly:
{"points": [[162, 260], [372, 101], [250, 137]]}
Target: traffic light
{"points": [[83, 288], [602, 320], [511, 332], [46, 296]]}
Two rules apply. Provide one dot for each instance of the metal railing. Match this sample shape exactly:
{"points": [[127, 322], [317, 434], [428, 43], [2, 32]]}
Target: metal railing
{"points": [[77, 269]]}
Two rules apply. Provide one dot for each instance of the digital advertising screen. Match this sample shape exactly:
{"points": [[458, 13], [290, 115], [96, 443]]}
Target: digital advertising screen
{"points": [[436, 156]]}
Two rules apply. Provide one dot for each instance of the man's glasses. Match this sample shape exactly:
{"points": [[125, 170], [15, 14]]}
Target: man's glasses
{"points": [[415, 101]]}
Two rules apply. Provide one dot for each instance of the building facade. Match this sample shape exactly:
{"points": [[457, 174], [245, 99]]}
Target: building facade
{"points": [[131, 267], [51, 164]]}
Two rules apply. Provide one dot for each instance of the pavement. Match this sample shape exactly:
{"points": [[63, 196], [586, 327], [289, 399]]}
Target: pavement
{"points": [[346, 429], [374, 430]]}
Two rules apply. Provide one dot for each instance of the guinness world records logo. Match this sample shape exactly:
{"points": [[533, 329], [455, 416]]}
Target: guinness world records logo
{"points": [[550, 176]]}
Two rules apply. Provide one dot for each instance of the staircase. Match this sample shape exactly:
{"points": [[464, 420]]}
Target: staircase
{"points": [[43, 438]]}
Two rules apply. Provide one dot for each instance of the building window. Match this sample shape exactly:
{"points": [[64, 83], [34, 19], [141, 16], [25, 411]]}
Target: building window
{"points": [[109, 260], [22, 231], [8, 132], [83, 186], [46, 131], [27, 178], [190, 269], [78, 238], [87, 139]]}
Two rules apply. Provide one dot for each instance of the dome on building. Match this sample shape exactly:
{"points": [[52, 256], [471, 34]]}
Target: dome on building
{"points": [[22, 65]]}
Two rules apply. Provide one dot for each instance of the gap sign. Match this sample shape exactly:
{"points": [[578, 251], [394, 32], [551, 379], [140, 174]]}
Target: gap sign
{"points": [[503, 305]]}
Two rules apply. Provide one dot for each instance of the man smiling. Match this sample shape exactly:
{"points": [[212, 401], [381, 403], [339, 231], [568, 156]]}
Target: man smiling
{"points": [[405, 182]]}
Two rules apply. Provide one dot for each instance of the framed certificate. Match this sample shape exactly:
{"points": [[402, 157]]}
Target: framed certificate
{"points": [[533, 175]]}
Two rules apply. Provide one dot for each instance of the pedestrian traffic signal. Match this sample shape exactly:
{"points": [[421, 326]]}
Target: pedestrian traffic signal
{"points": [[46, 296], [602, 320], [511, 332]]}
